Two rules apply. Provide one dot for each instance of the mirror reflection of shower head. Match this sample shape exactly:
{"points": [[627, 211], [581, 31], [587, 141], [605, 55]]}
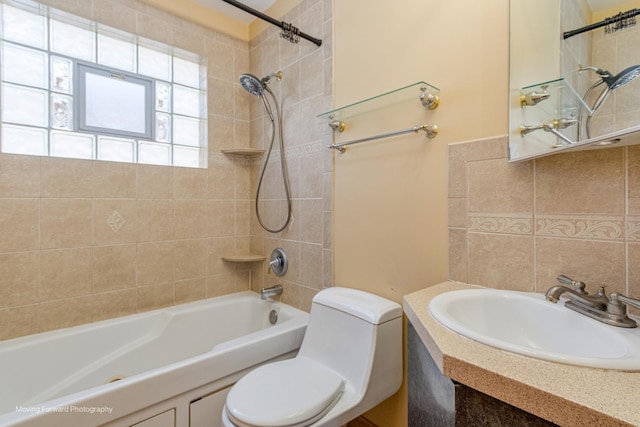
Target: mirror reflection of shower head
{"points": [[256, 86], [612, 82], [623, 77]]}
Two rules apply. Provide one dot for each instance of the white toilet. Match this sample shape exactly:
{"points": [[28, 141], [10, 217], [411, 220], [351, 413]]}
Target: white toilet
{"points": [[349, 361]]}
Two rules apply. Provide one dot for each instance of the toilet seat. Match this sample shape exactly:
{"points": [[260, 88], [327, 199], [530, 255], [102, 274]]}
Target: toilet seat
{"points": [[290, 393]]}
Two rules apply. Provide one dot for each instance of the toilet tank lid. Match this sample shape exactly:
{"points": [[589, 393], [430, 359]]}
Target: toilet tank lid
{"points": [[366, 306]]}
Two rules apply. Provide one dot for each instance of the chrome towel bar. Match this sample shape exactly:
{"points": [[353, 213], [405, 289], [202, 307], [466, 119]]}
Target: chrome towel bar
{"points": [[430, 132]]}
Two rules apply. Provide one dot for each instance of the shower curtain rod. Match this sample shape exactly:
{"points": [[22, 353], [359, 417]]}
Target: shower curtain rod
{"points": [[611, 20], [286, 28]]}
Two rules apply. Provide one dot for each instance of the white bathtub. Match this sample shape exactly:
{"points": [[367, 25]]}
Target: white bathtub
{"points": [[175, 364]]}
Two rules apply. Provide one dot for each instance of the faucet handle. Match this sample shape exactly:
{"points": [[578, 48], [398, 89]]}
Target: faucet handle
{"points": [[577, 286], [617, 299], [617, 309]]}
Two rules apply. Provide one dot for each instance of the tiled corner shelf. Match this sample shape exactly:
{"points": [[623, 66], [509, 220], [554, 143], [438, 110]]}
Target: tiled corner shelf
{"points": [[249, 152], [244, 258]]}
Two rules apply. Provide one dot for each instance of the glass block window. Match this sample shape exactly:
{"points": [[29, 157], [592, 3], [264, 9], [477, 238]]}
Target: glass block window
{"points": [[75, 88]]}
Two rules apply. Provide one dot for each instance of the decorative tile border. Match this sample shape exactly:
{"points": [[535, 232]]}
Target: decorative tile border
{"points": [[633, 229], [502, 224], [603, 228]]}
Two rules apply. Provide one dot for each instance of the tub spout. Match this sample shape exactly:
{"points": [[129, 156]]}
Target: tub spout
{"points": [[270, 292]]}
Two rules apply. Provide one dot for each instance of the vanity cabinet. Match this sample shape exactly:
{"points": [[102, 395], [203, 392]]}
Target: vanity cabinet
{"points": [[206, 412], [435, 400], [165, 419]]}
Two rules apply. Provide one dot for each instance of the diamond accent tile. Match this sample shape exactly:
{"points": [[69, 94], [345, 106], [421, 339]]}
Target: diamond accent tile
{"points": [[115, 221]]}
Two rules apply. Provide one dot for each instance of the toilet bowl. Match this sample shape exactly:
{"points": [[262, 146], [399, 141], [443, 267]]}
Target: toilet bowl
{"points": [[349, 361]]}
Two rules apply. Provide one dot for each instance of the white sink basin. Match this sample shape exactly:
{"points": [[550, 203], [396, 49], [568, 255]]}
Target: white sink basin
{"points": [[528, 324]]}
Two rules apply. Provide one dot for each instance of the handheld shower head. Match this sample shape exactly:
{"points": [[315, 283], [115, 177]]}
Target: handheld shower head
{"points": [[623, 77], [252, 84], [256, 86]]}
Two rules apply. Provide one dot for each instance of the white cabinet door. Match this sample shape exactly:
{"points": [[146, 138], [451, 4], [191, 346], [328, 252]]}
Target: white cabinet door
{"points": [[206, 412], [165, 419]]}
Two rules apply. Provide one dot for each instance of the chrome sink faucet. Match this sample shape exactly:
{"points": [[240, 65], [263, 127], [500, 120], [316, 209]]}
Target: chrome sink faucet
{"points": [[611, 310]]}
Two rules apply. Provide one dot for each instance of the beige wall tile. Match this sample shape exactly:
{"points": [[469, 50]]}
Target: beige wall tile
{"points": [[190, 218], [19, 224], [634, 270], [116, 14], [482, 149], [155, 263], [154, 297], [290, 293], [220, 284], [155, 28], [242, 280], [19, 176], [585, 182], [114, 180], [65, 223], [633, 259], [243, 217], [190, 259], [458, 253], [593, 262], [64, 313], [221, 218], [155, 182], [19, 278], [18, 321], [190, 183], [191, 290], [311, 176], [311, 265], [458, 182], [498, 186], [66, 178], [459, 213], [114, 267], [65, 273], [155, 220], [114, 304], [221, 177], [114, 220], [501, 261], [216, 249], [311, 220], [77, 7], [633, 173]]}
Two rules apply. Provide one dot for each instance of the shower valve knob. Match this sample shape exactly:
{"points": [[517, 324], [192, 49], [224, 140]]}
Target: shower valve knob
{"points": [[279, 262]]}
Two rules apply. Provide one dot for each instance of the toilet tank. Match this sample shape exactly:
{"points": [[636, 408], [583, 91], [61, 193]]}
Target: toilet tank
{"points": [[359, 335]]}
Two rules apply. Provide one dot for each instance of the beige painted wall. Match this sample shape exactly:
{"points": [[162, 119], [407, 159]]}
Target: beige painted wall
{"points": [[390, 197]]}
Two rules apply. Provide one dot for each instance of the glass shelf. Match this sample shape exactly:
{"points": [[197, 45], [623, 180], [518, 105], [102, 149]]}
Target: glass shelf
{"points": [[412, 91], [563, 101]]}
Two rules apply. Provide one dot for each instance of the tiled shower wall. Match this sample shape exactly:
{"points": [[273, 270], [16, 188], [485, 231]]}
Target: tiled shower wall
{"points": [[304, 92], [520, 225], [86, 240]]}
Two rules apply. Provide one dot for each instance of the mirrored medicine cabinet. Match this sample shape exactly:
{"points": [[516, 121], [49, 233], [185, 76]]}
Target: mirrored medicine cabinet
{"points": [[573, 68]]}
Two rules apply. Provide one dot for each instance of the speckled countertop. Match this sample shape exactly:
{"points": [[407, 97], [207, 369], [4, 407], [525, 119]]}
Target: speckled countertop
{"points": [[566, 395]]}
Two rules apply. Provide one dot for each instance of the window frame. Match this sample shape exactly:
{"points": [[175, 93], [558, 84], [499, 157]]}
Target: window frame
{"points": [[81, 69]]}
